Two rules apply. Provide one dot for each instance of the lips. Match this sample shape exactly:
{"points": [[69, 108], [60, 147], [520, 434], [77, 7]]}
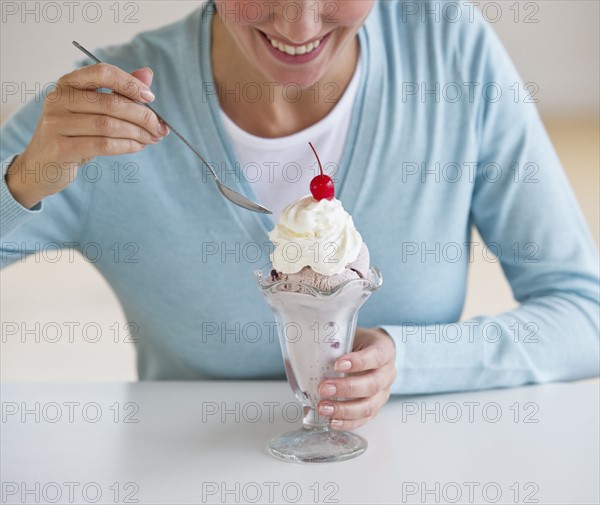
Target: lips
{"points": [[294, 50], [295, 54]]}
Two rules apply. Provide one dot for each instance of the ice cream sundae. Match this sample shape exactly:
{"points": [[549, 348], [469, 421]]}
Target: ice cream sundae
{"points": [[318, 279]]}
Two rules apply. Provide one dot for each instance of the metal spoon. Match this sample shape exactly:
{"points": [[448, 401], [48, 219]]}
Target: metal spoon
{"points": [[230, 194]]}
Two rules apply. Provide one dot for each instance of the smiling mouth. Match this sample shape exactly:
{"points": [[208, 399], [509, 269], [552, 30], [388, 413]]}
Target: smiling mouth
{"points": [[293, 50]]}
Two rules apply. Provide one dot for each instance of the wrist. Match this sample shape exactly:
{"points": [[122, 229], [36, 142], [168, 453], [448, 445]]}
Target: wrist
{"points": [[25, 194], [382, 332]]}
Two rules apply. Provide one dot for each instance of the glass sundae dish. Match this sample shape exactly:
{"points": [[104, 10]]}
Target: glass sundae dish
{"points": [[318, 279], [315, 328]]}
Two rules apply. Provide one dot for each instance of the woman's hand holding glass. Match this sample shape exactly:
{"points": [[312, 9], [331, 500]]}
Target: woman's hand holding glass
{"points": [[372, 371]]}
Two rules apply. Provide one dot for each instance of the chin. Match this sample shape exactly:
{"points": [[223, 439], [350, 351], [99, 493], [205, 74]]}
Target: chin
{"points": [[300, 81], [294, 78]]}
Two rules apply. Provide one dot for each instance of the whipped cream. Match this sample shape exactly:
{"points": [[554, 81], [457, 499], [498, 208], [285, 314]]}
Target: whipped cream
{"points": [[318, 234]]}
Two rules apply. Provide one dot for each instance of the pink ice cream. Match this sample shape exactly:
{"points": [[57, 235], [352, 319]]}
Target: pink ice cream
{"points": [[358, 269]]}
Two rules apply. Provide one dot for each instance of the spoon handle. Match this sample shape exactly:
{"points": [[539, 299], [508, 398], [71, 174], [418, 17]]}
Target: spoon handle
{"points": [[181, 137]]}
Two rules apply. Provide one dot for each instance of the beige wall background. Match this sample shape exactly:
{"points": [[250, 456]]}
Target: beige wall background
{"points": [[554, 44]]}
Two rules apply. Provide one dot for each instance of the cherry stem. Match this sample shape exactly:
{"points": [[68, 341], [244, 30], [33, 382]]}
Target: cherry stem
{"points": [[320, 166]]}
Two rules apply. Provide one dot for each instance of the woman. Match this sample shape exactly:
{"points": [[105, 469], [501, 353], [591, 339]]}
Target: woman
{"points": [[424, 136]]}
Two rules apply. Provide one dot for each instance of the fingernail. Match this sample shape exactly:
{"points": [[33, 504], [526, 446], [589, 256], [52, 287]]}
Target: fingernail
{"points": [[340, 366], [147, 95], [326, 409], [163, 129], [335, 422], [150, 70], [328, 390], [156, 139]]}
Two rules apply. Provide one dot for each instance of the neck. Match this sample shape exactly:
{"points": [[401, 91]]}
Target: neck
{"points": [[267, 109]]}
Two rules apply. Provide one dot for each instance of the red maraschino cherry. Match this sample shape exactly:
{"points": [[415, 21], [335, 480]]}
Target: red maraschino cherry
{"points": [[321, 186]]}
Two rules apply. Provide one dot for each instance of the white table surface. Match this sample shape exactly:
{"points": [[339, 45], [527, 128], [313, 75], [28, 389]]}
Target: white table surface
{"points": [[188, 447]]}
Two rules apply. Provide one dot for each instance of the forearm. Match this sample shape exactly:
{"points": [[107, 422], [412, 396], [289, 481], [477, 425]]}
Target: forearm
{"points": [[24, 193], [551, 338], [16, 205]]}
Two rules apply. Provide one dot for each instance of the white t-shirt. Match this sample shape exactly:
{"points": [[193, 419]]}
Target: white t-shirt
{"points": [[279, 170]]}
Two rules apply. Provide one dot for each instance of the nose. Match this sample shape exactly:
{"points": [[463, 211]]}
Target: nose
{"points": [[299, 20]]}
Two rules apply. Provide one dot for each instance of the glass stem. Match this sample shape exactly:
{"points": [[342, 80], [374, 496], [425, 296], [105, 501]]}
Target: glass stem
{"points": [[313, 421]]}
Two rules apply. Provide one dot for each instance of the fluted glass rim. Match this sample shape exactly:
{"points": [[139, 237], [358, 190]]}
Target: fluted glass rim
{"points": [[371, 283]]}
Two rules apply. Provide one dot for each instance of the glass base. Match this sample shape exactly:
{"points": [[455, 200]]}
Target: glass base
{"points": [[317, 446]]}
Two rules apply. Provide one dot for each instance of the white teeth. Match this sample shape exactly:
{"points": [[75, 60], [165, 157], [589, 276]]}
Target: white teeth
{"points": [[284, 48]]}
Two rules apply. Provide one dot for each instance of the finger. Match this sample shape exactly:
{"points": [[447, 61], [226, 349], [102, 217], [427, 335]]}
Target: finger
{"points": [[371, 357], [92, 102], [99, 125], [348, 424], [351, 409], [145, 75], [103, 75], [90, 147], [357, 386], [354, 413]]}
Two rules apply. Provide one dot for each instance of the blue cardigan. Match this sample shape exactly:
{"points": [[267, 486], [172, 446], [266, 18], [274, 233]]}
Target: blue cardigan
{"points": [[439, 142]]}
